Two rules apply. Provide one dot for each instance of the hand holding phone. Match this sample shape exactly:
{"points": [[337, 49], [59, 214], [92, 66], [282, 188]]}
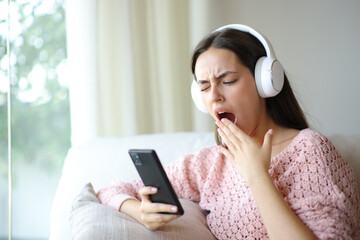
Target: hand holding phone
{"points": [[152, 174]]}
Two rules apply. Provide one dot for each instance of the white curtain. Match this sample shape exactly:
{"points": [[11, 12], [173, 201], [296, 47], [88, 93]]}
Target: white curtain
{"points": [[129, 63]]}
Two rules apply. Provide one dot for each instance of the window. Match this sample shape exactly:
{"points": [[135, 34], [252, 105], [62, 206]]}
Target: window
{"points": [[39, 111]]}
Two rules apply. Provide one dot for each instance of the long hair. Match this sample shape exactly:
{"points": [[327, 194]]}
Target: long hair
{"points": [[283, 109]]}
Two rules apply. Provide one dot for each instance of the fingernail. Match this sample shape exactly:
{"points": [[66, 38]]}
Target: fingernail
{"points": [[153, 189], [217, 123], [174, 208], [219, 131], [270, 131], [223, 119]]}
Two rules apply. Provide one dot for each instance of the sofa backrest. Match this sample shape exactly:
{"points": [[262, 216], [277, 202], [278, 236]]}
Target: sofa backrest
{"points": [[105, 159]]}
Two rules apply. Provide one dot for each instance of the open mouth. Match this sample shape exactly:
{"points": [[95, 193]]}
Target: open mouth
{"points": [[227, 115]]}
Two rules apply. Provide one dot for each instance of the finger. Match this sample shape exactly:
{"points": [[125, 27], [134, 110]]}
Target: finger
{"points": [[161, 218], [230, 132], [226, 131], [146, 191], [235, 129], [268, 140], [155, 221], [160, 207], [226, 141], [150, 207], [227, 153], [223, 126]]}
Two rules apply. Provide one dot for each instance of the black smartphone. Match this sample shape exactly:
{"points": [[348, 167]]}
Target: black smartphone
{"points": [[152, 174]]}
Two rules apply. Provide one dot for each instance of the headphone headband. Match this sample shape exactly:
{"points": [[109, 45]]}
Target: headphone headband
{"points": [[264, 41]]}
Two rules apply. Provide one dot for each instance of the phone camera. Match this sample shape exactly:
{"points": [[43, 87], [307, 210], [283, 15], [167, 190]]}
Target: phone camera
{"points": [[136, 159]]}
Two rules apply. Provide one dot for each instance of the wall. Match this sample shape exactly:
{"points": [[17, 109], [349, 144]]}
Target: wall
{"points": [[318, 43]]}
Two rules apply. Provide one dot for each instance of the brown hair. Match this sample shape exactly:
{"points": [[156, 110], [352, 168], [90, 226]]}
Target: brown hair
{"points": [[283, 108]]}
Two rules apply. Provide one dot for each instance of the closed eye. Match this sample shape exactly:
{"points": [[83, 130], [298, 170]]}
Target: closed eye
{"points": [[227, 83], [230, 82], [203, 89]]}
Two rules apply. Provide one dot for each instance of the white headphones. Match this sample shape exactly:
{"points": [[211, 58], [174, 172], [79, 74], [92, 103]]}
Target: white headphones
{"points": [[269, 74]]}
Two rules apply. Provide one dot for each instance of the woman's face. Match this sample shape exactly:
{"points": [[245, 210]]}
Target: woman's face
{"points": [[228, 89]]}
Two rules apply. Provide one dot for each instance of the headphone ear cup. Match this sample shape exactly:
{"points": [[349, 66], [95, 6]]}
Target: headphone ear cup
{"points": [[277, 73], [258, 76], [196, 96], [269, 77]]}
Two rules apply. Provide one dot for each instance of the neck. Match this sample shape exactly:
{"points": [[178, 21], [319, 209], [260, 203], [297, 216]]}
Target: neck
{"points": [[259, 132]]}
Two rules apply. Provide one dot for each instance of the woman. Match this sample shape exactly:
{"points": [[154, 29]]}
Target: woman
{"points": [[272, 177]]}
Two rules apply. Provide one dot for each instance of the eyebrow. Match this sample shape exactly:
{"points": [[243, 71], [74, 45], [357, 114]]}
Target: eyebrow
{"points": [[218, 77]]}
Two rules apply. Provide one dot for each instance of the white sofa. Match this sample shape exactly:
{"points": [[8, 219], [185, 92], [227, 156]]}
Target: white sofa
{"points": [[105, 159]]}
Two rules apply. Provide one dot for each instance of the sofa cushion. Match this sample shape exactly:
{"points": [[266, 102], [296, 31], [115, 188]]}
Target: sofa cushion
{"points": [[91, 220]]}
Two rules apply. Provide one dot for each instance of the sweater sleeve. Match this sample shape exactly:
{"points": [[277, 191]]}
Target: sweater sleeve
{"points": [[118, 192], [321, 188]]}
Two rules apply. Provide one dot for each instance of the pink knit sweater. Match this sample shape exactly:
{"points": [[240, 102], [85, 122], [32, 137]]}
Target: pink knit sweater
{"points": [[315, 181]]}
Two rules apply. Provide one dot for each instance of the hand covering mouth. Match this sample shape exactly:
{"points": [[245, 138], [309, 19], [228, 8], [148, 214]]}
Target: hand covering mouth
{"points": [[227, 115]]}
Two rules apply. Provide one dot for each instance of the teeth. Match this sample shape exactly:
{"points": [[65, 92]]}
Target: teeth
{"points": [[221, 112]]}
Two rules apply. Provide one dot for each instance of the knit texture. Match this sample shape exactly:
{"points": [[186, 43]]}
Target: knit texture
{"points": [[318, 185]]}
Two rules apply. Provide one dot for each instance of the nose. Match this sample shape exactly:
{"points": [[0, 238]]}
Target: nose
{"points": [[216, 94]]}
